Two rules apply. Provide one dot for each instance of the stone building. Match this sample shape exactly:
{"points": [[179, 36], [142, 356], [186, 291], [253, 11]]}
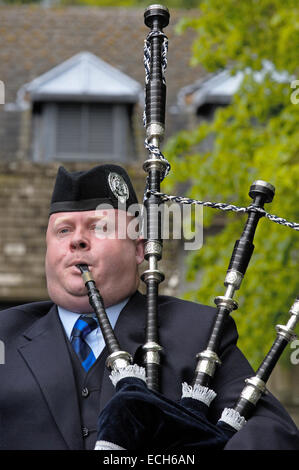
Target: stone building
{"points": [[74, 80], [72, 84]]}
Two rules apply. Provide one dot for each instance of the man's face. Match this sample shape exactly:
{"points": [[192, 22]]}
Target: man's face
{"points": [[74, 238]]}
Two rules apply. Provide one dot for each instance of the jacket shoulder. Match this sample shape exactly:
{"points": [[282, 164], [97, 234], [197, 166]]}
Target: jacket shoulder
{"points": [[176, 305], [18, 318], [194, 320], [32, 307]]}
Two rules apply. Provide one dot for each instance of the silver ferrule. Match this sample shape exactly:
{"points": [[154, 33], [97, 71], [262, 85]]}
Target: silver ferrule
{"points": [[230, 291], [152, 274], [287, 333], [253, 390], [154, 163], [292, 322], [152, 262], [294, 310], [226, 302], [207, 362], [155, 6], [155, 133], [152, 352], [153, 247], [119, 360], [265, 184], [233, 279]]}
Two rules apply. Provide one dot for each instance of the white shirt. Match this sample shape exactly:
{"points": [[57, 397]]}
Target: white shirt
{"points": [[95, 338]]}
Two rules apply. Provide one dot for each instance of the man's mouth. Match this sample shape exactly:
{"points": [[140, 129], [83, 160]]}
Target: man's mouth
{"points": [[76, 263]]}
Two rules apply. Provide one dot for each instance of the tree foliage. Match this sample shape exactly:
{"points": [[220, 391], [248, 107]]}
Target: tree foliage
{"points": [[255, 137]]}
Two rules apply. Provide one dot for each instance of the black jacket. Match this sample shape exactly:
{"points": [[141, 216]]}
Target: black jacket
{"points": [[38, 399]]}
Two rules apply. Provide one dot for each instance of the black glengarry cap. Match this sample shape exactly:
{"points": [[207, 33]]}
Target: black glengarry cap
{"points": [[85, 190]]}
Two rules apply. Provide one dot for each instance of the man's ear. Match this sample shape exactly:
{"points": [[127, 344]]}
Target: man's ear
{"points": [[139, 250]]}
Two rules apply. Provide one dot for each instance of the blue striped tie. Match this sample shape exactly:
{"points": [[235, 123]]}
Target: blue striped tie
{"points": [[83, 326]]}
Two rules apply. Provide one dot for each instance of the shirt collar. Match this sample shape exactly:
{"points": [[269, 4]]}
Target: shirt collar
{"points": [[69, 318]]}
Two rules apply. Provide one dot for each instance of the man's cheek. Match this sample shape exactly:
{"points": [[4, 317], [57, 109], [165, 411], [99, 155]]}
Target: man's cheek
{"points": [[53, 265]]}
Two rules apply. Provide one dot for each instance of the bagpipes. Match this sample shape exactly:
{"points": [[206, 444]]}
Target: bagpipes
{"points": [[138, 417]]}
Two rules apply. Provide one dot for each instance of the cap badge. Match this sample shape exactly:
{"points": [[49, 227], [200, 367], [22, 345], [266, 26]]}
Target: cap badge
{"points": [[118, 186]]}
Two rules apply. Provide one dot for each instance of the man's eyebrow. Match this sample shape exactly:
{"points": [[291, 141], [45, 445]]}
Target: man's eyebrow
{"points": [[62, 220], [96, 218], [67, 219]]}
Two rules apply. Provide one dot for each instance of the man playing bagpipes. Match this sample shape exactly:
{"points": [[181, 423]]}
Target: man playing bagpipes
{"points": [[50, 395], [56, 391]]}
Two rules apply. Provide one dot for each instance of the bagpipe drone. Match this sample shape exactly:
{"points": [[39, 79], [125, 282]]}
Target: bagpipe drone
{"points": [[138, 416]]}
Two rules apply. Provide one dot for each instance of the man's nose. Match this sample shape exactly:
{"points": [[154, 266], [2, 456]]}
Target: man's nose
{"points": [[80, 242]]}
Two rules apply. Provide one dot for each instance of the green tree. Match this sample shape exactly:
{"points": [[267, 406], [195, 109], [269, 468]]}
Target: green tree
{"points": [[255, 137]]}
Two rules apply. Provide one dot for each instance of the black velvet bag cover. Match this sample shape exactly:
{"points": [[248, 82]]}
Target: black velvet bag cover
{"points": [[139, 419]]}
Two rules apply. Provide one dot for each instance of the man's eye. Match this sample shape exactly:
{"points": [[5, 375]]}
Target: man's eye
{"points": [[100, 227], [62, 231]]}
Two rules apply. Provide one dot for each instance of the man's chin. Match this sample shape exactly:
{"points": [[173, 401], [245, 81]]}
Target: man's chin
{"points": [[74, 285], [75, 302], [76, 292]]}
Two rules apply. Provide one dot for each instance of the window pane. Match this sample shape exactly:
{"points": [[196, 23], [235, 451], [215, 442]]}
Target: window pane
{"points": [[84, 129], [69, 128], [100, 129]]}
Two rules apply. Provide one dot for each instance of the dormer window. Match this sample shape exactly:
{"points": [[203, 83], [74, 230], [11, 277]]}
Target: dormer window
{"points": [[203, 97], [82, 110]]}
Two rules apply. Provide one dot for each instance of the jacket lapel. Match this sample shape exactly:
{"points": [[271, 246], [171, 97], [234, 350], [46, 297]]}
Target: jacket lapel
{"points": [[130, 332], [45, 352]]}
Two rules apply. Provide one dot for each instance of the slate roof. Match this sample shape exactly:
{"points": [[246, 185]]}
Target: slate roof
{"points": [[84, 76], [218, 88], [35, 39]]}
